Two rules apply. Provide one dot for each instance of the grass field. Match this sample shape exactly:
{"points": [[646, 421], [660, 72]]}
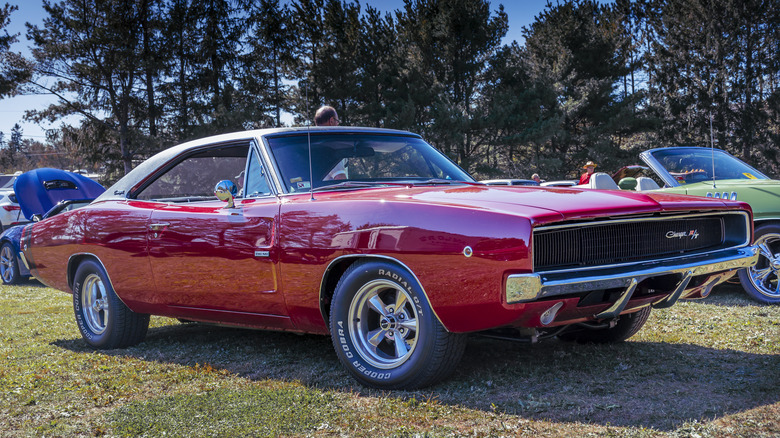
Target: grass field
{"points": [[707, 368]]}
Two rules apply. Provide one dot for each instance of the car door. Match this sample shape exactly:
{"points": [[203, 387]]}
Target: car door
{"points": [[209, 261]]}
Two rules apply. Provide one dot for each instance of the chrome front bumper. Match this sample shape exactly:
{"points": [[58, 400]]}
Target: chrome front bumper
{"points": [[521, 288]]}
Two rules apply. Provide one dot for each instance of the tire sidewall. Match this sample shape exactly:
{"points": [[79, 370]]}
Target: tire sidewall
{"points": [[362, 370], [95, 340]]}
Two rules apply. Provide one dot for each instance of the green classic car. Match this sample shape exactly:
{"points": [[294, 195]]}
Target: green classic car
{"points": [[717, 174]]}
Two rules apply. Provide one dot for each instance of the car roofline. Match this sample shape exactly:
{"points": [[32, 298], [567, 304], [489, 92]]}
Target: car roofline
{"points": [[123, 188]]}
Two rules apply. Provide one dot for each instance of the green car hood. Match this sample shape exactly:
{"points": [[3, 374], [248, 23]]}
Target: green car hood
{"points": [[763, 195]]}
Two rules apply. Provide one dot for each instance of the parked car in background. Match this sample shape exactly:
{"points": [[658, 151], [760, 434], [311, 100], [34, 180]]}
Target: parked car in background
{"points": [[10, 212], [715, 173], [42, 193], [397, 259], [561, 183]]}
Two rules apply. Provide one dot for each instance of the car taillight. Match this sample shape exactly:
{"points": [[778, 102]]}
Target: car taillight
{"points": [[11, 207]]}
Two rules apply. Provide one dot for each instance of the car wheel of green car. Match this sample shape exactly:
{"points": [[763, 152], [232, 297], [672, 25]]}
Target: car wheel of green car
{"points": [[762, 281]]}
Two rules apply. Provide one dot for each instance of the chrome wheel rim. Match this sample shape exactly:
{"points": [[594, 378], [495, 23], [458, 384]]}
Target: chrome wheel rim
{"points": [[765, 275], [7, 261], [383, 322], [94, 304]]}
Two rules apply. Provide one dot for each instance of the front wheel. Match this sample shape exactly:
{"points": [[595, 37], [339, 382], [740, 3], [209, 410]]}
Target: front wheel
{"points": [[762, 281], [9, 264], [103, 319], [626, 326], [384, 331]]}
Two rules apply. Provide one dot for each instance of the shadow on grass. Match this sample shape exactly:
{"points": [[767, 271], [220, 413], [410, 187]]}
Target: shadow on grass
{"points": [[731, 294], [639, 384]]}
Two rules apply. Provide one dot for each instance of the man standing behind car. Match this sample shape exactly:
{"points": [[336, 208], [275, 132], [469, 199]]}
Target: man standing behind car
{"points": [[326, 116]]}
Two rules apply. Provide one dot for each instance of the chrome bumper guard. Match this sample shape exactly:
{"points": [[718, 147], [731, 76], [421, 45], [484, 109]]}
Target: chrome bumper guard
{"points": [[521, 288]]}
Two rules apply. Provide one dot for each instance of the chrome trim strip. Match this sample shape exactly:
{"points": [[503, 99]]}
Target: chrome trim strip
{"points": [[529, 287], [271, 169], [375, 256], [747, 241], [658, 168], [593, 223]]}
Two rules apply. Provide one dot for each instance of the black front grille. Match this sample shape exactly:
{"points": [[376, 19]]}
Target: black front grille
{"points": [[583, 245]]}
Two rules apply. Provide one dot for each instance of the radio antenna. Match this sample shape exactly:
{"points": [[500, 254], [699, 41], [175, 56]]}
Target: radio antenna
{"points": [[712, 149], [308, 140]]}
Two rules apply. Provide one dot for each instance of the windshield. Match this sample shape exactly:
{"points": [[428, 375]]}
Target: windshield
{"points": [[7, 181], [692, 165], [345, 157]]}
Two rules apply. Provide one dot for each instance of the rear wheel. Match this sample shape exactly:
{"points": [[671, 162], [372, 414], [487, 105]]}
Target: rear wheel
{"points": [[626, 326], [384, 331], [762, 281], [103, 319], [9, 264]]}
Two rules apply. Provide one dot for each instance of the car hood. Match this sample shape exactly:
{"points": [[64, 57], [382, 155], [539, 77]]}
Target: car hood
{"points": [[726, 184], [41, 189], [763, 195], [541, 204]]}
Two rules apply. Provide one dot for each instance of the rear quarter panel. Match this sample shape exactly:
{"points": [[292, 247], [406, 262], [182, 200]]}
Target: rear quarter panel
{"points": [[113, 232]]}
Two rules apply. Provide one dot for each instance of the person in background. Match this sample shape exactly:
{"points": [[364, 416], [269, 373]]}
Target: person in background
{"points": [[589, 167], [326, 116], [536, 178]]}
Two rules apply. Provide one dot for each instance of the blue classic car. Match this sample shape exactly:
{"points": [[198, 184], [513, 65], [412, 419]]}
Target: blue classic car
{"points": [[42, 193]]}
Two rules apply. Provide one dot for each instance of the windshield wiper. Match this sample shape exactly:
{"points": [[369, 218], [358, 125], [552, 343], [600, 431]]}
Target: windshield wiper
{"points": [[356, 185], [400, 183], [437, 181]]}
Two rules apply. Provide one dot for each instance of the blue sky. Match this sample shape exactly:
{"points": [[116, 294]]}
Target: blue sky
{"points": [[520, 12]]}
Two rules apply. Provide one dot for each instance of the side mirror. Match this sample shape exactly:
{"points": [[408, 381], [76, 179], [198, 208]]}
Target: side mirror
{"points": [[226, 191]]}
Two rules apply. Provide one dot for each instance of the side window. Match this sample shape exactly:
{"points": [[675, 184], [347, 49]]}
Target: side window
{"points": [[256, 181], [194, 177]]}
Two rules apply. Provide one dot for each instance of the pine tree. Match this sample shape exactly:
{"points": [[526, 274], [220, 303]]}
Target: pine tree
{"points": [[716, 60], [14, 69], [449, 44], [94, 49], [268, 64], [575, 49]]}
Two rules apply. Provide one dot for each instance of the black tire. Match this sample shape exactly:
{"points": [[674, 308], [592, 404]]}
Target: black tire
{"points": [[103, 319], [365, 339], [626, 327], [9, 264], [762, 281]]}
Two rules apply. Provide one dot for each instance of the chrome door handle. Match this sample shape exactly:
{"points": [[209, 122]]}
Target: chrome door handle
{"points": [[159, 226]]}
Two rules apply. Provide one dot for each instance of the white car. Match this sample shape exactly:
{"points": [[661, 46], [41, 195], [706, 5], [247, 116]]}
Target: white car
{"points": [[10, 212]]}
